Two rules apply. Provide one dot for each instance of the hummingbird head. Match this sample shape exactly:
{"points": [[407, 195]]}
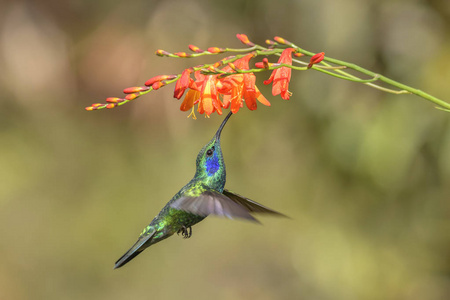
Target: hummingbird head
{"points": [[210, 164]]}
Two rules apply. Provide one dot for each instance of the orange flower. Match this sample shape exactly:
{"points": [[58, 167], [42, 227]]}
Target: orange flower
{"points": [[209, 100], [182, 83], [204, 92], [282, 76], [240, 86], [252, 93], [193, 95], [234, 89]]}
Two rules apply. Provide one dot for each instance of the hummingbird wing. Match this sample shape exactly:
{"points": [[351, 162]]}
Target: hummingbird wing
{"points": [[135, 250], [211, 202], [251, 205]]}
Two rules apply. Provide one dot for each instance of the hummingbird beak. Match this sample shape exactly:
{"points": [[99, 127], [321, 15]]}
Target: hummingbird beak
{"points": [[219, 131]]}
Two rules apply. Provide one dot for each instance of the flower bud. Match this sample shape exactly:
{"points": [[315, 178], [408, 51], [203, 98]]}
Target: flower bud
{"points": [[279, 40], [135, 89], [244, 39], [316, 58], [216, 50], [159, 78], [157, 85], [195, 49], [160, 52], [114, 100], [182, 54], [131, 96]]}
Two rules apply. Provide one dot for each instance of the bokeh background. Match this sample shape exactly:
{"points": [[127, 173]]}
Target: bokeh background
{"points": [[363, 174]]}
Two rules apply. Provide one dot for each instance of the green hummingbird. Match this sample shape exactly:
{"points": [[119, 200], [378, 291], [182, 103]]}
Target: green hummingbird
{"points": [[204, 195]]}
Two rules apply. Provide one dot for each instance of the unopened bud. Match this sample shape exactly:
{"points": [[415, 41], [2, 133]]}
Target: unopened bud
{"points": [[157, 85], [195, 49], [316, 58], [159, 78], [264, 64], [135, 89], [216, 50], [160, 52], [244, 39], [114, 100], [182, 54], [131, 96]]}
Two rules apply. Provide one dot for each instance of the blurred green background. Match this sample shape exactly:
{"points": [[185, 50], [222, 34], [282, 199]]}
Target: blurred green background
{"points": [[363, 174]]}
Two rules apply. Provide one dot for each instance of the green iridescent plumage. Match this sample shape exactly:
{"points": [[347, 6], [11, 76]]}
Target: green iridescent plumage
{"points": [[204, 195]]}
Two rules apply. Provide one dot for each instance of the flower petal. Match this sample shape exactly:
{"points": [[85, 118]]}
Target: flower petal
{"points": [[226, 101], [236, 104], [209, 94], [268, 81], [189, 100], [261, 97], [182, 84]]}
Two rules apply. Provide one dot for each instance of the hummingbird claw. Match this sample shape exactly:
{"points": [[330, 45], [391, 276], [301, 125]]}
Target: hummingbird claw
{"points": [[190, 233], [186, 232]]}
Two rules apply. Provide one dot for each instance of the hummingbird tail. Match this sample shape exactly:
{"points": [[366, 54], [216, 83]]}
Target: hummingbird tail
{"points": [[126, 258], [134, 251]]}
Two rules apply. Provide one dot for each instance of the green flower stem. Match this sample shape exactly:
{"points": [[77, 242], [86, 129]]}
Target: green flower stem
{"points": [[277, 66], [403, 87], [346, 77], [241, 50], [397, 92]]}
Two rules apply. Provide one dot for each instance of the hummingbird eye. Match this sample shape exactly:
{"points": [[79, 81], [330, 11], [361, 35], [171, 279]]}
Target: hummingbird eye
{"points": [[210, 151]]}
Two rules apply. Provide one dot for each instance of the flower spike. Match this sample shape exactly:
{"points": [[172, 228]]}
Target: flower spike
{"points": [[230, 83]]}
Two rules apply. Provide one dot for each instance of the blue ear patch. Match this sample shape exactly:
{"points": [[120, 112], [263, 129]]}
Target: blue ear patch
{"points": [[212, 164]]}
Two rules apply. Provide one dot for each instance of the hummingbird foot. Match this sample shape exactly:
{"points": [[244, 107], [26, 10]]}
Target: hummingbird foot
{"points": [[186, 232]]}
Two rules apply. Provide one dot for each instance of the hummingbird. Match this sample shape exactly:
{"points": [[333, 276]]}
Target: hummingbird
{"points": [[204, 195]]}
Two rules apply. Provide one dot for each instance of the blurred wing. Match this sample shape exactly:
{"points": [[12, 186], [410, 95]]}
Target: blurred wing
{"points": [[251, 205], [211, 202]]}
